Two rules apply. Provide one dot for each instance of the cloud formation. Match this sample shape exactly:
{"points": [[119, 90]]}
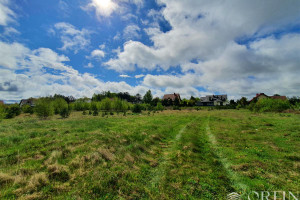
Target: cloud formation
{"points": [[6, 14], [72, 38], [234, 52]]}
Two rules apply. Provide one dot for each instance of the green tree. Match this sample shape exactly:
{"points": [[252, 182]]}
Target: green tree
{"points": [[12, 111], [59, 105], [148, 97], [137, 108], [27, 109], [242, 102], [65, 112], [106, 104], [159, 106], [44, 108]]}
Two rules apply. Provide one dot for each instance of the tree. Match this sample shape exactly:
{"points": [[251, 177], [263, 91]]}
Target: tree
{"points": [[59, 104], [155, 101], [159, 106], [148, 97], [137, 108], [44, 108], [176, 101], [138, 98], [12, 111], [106, 104], [242, 102], [65, 112], [27, 109]]}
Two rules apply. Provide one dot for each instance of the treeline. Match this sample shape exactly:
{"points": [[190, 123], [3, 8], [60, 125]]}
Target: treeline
{"points": [[264, 104], [106, 102], [110, 103]]}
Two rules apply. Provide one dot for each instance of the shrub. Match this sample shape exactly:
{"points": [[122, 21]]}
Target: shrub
{"points": [[95, 113], [12, 111], [270, 105], [27, 109], [2, 112], [59, 105], [137, 108], [44, 108], [176, 108], [106, 104], [65, 112], [159, 106]]}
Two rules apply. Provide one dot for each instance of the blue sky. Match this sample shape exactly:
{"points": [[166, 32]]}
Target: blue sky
{"points": [[193, 47]]}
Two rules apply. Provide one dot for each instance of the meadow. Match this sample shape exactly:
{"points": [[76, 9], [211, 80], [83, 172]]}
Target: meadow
{"points": [[185, 154]]}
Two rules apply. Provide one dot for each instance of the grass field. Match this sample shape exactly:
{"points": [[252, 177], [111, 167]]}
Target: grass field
{"points": [[168, 155]]}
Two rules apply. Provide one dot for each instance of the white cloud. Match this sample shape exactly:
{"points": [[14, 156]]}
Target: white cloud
{"points": [[6, 14], [12, 54], [102, 46], [89, 65], [9, 31], [124, 76], [98, 53], [117, 36], [204, 31], [139, 76], [131, 31], [72, 38], [43, 72]]}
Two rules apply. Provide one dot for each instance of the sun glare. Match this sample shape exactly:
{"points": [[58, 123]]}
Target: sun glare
{"points": [[105, 4]]}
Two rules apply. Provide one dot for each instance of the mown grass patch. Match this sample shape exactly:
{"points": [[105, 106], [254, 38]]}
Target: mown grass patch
{"points": [[168, 155]]}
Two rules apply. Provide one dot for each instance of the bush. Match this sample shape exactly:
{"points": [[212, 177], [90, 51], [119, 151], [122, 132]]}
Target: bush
{"points": [[95, 113], [81, 106], [137, 108], [2, 112], [159, 106], [12, 111], [106, 104], [270, 105], [65, 112], [176, 108], [27, 109], [59, 105], [44, 108]]}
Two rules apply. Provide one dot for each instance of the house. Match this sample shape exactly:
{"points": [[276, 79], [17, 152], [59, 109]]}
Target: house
{"points": [[30, 102], [1, 102], [172, 97], [263, 96], [213, 100]]}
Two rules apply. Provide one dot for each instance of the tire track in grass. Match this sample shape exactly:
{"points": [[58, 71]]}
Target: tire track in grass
{"points": [[160, 171], [233, 176]]}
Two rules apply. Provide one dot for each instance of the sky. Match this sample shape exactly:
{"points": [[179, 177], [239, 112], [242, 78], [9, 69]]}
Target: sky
{"points": [[191, 47]]}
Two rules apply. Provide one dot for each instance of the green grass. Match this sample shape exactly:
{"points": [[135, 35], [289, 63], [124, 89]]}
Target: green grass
{"points": [[168, 155]]}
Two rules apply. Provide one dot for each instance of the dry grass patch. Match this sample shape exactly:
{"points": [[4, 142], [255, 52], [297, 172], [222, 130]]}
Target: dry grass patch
{"points": [[107, 154], [6, 179], [37, 181], [129, 158], [58, 172], [34, 196], [55, 155]]}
